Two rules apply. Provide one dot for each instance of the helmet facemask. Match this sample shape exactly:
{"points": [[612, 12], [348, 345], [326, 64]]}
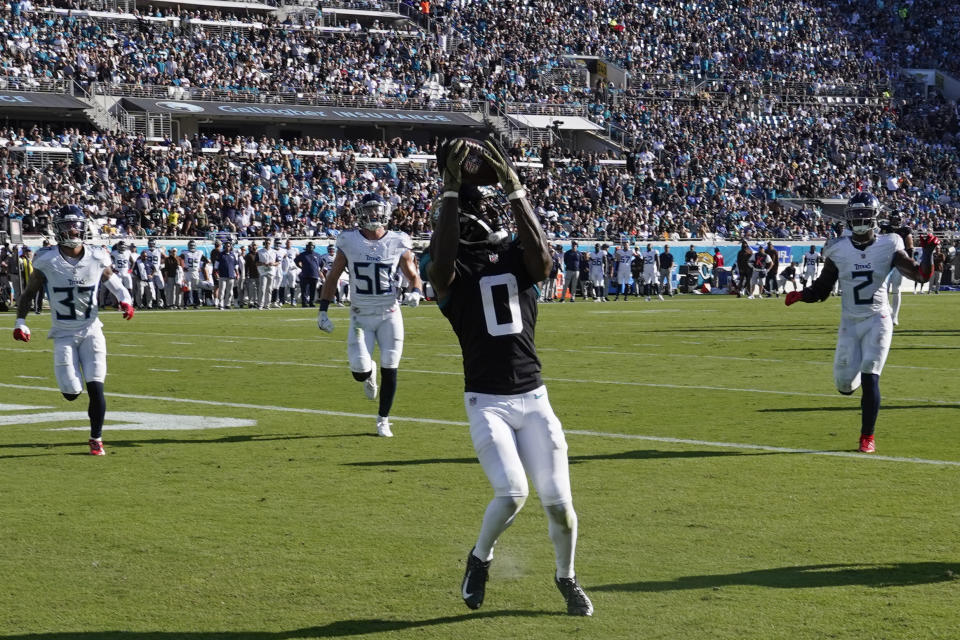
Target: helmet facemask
{"points": [[374, 213], [63, 226]]}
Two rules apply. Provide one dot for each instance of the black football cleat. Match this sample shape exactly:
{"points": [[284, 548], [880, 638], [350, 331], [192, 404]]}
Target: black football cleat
{"points": [[578, 604], [475, 581]]}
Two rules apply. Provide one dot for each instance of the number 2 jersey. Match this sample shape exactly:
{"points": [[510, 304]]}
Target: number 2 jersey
{"points": [[492, 306], [372, 265], [72, 288], [862, 273]]}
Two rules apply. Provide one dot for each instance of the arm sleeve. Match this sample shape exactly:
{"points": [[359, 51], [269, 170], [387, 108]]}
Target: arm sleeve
{"points": [[820, 289]]}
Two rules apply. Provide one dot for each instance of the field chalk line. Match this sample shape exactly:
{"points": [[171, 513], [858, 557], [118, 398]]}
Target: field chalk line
{"points": [[458, 423]]}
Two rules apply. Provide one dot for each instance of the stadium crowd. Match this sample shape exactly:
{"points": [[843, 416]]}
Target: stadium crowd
{"points": [[696, 168]]}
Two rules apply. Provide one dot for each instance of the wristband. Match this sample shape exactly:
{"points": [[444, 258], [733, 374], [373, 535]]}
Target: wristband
{"points": [[416, 290], [518, 194], [451, 194], [324, 305]]}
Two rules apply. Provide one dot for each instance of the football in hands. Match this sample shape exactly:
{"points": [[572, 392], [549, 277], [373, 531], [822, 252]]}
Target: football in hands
{"points": [[475, 169]]}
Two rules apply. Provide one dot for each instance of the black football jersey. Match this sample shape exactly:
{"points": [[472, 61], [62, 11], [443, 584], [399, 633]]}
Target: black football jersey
{"points": [[492, 306]]}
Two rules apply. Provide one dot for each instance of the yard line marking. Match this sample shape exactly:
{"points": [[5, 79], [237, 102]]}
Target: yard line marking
{"points": [[181, 343], [762, 447], [165, 370], [21, 407], [224, 366], [32, 377], [460, 423], [625, 383]]}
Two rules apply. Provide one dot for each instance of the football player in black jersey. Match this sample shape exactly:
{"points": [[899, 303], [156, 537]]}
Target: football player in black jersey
{"points": [[894, 224], [486, 287]]}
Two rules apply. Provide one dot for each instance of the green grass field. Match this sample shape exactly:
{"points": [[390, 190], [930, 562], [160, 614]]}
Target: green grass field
{"points": [[712, 463]]}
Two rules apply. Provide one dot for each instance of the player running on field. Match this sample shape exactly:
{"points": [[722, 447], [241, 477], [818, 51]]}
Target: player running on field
{"points": [[861, 262]]}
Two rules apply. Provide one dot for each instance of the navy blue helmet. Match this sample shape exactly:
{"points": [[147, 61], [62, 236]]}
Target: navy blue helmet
{"points": [[373, 211], [70, 226], [861, 212]]}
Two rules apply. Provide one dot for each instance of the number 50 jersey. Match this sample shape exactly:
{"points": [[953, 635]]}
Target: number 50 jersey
{"points": [[372, 265], [72, 288], [492, 307], [862, 273]]}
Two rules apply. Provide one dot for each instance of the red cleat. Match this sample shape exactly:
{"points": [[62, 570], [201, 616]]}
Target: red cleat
{"points": [[867, 445], [96, 448]]}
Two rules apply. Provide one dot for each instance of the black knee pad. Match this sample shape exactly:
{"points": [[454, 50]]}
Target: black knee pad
{"points": [[361, 376], [71, 396]]}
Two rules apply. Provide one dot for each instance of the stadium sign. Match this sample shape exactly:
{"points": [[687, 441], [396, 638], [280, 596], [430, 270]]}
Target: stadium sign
{"points": [[17, 100], [319, 115]]}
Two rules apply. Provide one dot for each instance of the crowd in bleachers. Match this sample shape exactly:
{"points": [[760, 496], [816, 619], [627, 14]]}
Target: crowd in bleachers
{"points": [[697, 168]]}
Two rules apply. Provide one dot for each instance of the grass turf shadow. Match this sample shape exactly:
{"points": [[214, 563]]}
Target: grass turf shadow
{"points": [[337, 629], [902, 574]]}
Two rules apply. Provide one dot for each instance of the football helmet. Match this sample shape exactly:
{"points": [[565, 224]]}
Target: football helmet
{"points": [[373, 212], [70, 226], [191, 245], [151, 244], [483, 216], [895, 220], [861, 212]]}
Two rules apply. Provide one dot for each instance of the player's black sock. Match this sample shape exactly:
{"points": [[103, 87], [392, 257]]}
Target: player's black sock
{"points": [[97, 409], [388, 389], [869, 403]]}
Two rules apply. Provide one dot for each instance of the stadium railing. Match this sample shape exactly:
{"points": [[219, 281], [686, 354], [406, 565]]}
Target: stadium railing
{"points": [[272, 97]]}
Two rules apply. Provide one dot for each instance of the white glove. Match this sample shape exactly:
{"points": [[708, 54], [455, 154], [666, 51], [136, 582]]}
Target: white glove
{"points": [[412, 298], [324, 323]]}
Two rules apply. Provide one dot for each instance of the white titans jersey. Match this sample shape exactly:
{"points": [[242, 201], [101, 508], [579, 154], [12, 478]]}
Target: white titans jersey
{"points": [[624, 259], [650, 260], [810, 261], [596, 264], [154, 260], [372, 265], [862, 273], [192, 260], [122, 260], [72, 289]]}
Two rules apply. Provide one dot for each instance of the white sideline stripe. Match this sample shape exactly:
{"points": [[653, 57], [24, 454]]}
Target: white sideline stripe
{"points": [[762, 447], [460, 423]]}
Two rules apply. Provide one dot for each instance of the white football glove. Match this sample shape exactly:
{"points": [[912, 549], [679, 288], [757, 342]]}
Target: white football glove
{"points": [[324, 323], [412, 298]]}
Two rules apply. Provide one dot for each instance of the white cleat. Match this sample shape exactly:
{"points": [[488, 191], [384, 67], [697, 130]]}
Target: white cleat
{"points": [[383, 427], [370, 386], [660, 297]]}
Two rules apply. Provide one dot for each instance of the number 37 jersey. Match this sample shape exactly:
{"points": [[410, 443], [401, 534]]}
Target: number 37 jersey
{"points": [[862, 273], [72, 288], [372, 266]]}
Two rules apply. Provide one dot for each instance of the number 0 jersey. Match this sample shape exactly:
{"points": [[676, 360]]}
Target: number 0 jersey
{"points": [[72, 288], [862, 273], [372, 265], [492, 306]]}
